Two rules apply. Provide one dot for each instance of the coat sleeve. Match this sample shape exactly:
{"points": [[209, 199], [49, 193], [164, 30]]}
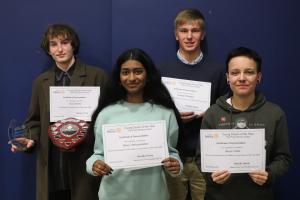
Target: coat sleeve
{"points": [[33, 121]]}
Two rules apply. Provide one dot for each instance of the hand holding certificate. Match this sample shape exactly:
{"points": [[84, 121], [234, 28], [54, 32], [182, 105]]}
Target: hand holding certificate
{"points": [[135, 145], [235, 150]]}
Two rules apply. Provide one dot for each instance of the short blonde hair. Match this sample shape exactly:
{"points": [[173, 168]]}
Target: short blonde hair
{"points": [[189, 15]]}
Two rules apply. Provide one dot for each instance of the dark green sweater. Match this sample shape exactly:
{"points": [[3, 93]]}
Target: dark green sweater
{"points": [[262, 114]]}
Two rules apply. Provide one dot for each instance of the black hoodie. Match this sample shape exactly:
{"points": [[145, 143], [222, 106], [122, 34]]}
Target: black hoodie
{"points": [[261, 114]]}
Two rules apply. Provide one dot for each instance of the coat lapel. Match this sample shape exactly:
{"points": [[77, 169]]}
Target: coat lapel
{"points": [[79, 74]]}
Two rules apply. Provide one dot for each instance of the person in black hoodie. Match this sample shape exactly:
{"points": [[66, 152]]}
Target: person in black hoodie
{"points": [[245, 107]]}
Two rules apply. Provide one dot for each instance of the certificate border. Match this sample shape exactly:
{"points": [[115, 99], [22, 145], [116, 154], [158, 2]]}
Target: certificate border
{"points": [[262, 150], [51, 106], [208, 100], [105, 143]]}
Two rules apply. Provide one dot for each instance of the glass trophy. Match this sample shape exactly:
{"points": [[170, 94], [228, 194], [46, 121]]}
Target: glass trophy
{"points": [[16, 131]]}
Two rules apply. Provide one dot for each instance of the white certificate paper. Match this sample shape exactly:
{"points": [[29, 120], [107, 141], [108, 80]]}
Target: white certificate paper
{"points": [[235, 150], [73, 101], [189, 96], [135, 145]]}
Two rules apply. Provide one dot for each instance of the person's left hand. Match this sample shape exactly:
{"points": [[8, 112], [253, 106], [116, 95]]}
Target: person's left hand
{"points": [[172, 165], [100, 168], [259, 177], [220, 177], [28, 143]]}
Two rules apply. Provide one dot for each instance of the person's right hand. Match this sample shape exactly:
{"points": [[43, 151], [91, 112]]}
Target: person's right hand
{"points": [[187, 116], [172, 165], [100, 168], [27, 142], [220, 177]]}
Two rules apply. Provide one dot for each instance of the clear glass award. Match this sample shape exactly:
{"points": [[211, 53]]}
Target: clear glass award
{"points": [[16, 132]]}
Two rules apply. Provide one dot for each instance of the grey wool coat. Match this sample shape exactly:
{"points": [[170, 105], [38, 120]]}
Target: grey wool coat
{"points": [[83, 186]]}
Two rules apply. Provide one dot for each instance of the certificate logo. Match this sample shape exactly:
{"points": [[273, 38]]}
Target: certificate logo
{"points": [[114, 130], [212, 135], [119, 130], [216, 135]]}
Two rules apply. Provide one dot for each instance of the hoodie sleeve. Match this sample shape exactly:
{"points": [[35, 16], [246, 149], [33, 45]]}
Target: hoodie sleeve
{"points": [[280, 153]]}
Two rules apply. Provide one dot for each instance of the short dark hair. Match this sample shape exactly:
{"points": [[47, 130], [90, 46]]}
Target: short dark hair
{"points": [[244, 51], [55, 30]]}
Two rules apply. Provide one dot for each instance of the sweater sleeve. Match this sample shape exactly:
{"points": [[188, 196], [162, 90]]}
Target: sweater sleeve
{"points": [[98, 146], [280, 154]]}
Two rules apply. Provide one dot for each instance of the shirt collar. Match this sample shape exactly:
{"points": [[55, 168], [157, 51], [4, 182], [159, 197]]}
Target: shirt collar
{"points": [[59, 73], [194, 62]]}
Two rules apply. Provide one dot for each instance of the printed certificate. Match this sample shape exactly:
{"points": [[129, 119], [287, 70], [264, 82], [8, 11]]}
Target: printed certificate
{"points": [[236, 150], [73, 101], [135, 145], [189, 96]]}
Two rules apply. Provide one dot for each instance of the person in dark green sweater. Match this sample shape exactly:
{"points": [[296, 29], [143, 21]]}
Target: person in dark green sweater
{"points": [[246, 107]]}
